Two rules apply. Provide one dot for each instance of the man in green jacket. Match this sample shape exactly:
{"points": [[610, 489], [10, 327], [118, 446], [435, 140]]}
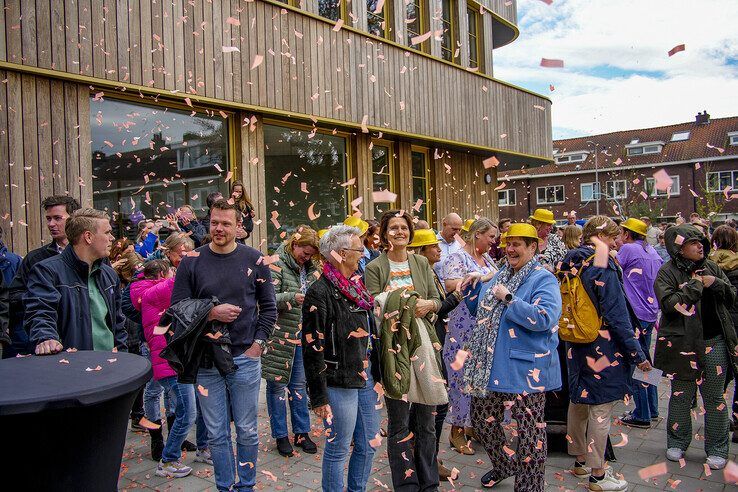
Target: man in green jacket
{"points": [[282, 365], [696, 343]]}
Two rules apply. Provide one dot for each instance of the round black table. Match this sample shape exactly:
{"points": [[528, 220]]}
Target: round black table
{"points": [[64, 417]]}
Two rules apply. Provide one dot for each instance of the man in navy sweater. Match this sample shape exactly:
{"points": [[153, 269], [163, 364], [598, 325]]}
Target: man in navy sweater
{"points": [[238, 277]]}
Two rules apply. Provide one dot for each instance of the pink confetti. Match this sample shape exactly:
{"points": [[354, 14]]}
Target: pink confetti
{"points": [[339, 24], [730, 472], [598, 365], [233, 21], [160, 330], [682, 308], [231, 49], [662, 180], [420, 38], [461, 357], [601, 253], [384, 196], [202, 390], [491, 162], [676, 49], [258, 59], [311, 213], [552, 63], [622, 443], [653, 471]]}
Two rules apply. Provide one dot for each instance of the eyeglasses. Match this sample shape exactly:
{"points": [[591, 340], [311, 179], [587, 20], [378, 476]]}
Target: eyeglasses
{"points": [[354, 249]]}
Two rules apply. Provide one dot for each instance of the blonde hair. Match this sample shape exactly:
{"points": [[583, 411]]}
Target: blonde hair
{"points": [[81, 221], [572, 237], [600, 224], [178, 239], [482, 225], [303, 236]]}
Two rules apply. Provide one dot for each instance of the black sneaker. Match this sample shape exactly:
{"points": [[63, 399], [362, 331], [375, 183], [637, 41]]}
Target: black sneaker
{"points": [[307, 445], [284, 447], [489, 479], [188, 446], [631, 422]]}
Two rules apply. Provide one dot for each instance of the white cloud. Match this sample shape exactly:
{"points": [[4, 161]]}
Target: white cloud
{"points": [[618, 74]]}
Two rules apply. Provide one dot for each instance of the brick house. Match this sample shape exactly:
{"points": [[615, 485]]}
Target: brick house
{"points": [[701, 157]]}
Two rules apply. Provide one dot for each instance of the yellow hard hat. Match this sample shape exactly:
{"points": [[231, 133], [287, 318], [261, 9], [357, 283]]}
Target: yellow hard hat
{"points": [[321, 232], [542, 215], [467, 224], [521, 230], [503, 240], [360, 224], [635, 225], [423, 237]]}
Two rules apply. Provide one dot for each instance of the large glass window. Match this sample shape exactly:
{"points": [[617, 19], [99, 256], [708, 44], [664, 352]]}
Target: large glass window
{"points": [[616, 189], [475, 36], [589, 192], [672, 191], [331, 9], [415, 18], [379, 20], [383, 174], [148, 160], [550, 194], [421, 188], [449, 49], [717, 181], [506, 198], [304, 173]]}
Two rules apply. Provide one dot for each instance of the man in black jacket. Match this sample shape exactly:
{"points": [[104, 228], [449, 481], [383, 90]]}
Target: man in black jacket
{"points": [[4, 338], [57, 210], [73, 299]]}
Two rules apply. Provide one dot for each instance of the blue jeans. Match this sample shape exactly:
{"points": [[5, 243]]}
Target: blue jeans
{"points": [[354, 417], [152, 394], [646, 398], [201, 431], [297, 395], [238, 391], [185, 414]]}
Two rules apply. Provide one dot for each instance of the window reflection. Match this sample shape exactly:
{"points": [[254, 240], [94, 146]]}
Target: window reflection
{"points": [[382, 175], [330, 9], [318, 160], [149, 160], [378, 21], [420, 183]]}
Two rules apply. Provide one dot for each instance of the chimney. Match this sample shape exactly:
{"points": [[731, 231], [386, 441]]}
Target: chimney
{"points": [[702, 118]]}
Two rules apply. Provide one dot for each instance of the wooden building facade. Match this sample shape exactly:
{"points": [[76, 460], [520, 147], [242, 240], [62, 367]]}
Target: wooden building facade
{"points": [[139, 107]]}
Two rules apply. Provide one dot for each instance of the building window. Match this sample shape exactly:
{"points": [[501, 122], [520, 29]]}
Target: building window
{"points": [[588, 191], [475, 36], [379, 22], [383, 173], [332, 9], [645, 149], [566, 158], [673, 191], [148, 160], [547, 195], [733, 138], [417, 23], [421, 183], [680, 136], [717, 181], [304, 168], [449, 38], [506, 198], [616, 189]]}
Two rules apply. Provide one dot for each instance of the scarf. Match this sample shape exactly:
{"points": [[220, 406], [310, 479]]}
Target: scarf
{"points": [[484, 335], [352, 288]]}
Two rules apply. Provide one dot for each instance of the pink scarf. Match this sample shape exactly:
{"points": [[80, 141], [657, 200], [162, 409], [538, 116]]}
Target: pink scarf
{"points": [[352, 289]]}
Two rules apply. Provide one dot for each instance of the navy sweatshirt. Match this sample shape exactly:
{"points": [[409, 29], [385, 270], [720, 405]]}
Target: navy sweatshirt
{"points": [[234, 278]]}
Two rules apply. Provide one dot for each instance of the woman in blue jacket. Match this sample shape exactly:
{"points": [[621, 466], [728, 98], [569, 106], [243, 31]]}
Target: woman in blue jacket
{"points": [[513, 360], [596, 384]]}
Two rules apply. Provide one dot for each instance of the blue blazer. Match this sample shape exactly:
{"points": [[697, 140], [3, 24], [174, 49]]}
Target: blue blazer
{"points": [[525, 357]]}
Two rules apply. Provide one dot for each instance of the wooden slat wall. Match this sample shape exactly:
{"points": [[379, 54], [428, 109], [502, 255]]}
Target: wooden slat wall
{"points": [[96, 47], [44, 131]]}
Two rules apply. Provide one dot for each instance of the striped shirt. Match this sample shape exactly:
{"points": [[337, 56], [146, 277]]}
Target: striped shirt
{"points": [[400, 277]]}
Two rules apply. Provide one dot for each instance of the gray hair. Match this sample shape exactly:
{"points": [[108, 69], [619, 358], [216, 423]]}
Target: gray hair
{"points": [[337, 238]]}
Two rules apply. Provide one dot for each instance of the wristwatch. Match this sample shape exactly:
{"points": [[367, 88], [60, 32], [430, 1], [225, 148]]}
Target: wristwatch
{"points": [[508, 298], [261, 343]]}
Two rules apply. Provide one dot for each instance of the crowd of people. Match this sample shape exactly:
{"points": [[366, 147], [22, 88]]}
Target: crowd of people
{"points": [[469, 326]]}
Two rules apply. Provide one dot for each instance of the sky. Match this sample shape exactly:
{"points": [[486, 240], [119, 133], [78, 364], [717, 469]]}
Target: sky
{"points": [[617, 73]]}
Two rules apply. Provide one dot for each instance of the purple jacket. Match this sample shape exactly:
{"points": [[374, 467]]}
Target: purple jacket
{"points": [[640, 263], [152, 298]]}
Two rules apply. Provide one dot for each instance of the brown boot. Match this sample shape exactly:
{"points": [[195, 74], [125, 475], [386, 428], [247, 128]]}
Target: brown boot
{"points": [[458, 441], [471, 435], [443, 472]]}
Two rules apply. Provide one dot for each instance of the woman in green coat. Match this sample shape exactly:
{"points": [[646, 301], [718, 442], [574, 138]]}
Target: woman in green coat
{"points": [[696, 344], [282, 365]]}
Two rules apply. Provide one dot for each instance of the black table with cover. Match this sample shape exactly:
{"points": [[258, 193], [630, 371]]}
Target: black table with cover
{"points": [[63, 421]]}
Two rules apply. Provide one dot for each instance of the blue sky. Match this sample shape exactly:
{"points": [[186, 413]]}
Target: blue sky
{"points": [[617, 74]]}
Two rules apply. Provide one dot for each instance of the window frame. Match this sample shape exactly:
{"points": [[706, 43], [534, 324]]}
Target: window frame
{"points": [[733, 139], [681, 134], [614, 188], [430, 210], [506, 192], [654, 193], [593, 185], [387, 12], [453, 24], [392, 175], [571, 158], [563, 195], [733, 176], [342, 14], [422, 6], [640, 150], [478, 37]]}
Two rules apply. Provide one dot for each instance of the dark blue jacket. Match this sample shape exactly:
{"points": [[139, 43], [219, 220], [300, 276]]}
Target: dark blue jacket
{"points": [[57, 302], [9, 263], [619, 344]]}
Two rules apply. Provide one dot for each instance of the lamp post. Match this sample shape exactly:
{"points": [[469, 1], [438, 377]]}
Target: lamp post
{"points": [[597, 177]]}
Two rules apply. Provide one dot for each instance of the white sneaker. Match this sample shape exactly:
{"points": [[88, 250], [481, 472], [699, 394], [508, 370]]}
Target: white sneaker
{"points": [[579, 470], [716, 462], [173, 469], [204, 456], [674, 454], [607, 483]]}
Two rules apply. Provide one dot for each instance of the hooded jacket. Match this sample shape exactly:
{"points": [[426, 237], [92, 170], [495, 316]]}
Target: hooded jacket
{"points": [[280, 351], [680, 346], [728, 262], [9, 263], [616, 341], [152, 298]]}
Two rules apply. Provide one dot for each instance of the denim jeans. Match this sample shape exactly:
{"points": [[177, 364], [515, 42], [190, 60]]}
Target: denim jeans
{"points": [[185, 414], [646, 398], [297, 396], [238, 391], [152, 395], [417, 453], [354, 417], [201, 431]]}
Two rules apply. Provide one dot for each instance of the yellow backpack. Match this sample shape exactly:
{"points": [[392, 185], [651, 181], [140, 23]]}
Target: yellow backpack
{"points": [[579, 322]]}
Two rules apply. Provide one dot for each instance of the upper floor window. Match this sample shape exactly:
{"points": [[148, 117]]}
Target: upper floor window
{"points": [[417, 23], [566, 158], [475, 36], [616, 189], [719, 180], [733, 138], [588, 191], [547, 195], [507, 198], [421, 183], [450, 26], [383, 173], [672, 191], [680, 136], [378, 20], [644, 148], [332, 9]]}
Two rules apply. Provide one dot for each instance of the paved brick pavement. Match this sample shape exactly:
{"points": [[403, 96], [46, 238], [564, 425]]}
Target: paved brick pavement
{"points": [[644, 447]]}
